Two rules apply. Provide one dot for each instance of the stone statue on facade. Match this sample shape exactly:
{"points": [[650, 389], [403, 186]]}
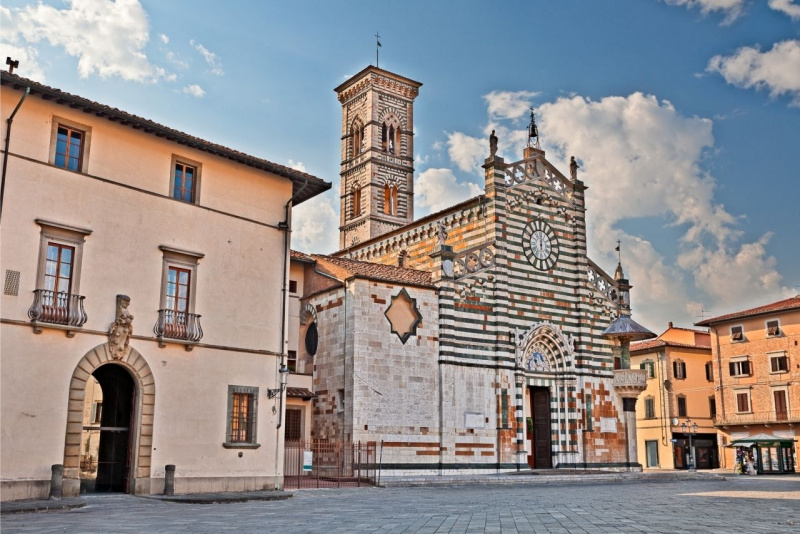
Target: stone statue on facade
{"points": [[122, 329], [441, 233], [492, 145], [573, 169]]}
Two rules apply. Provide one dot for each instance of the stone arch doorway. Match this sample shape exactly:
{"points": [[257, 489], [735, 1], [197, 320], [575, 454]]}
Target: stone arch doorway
{"points": [[127, 384]]}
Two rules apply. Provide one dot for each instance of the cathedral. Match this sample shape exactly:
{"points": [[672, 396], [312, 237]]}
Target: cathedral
{"points": [[477, 339]]}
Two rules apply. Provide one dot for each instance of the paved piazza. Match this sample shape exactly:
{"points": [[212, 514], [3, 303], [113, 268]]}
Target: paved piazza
{"points": [[743, 504]]}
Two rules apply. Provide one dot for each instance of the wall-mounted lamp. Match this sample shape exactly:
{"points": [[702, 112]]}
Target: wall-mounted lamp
{"points": [[283, 372]]}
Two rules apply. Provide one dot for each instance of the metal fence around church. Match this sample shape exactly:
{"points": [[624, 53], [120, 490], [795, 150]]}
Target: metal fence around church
{"points": [[328, 464]]}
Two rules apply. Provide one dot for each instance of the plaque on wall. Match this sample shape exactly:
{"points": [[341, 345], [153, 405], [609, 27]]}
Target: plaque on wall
{"points": [[608, 424], [474, 420]]}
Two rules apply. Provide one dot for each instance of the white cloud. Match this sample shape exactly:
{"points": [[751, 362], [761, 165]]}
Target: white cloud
{"points": [[315, 226], [777, 70], [467, 152], [786, 6], [731, 9], [27, 57], [164, 38], [107, 37], [437, 189], [297, 165], [508, 104], [194, 90], [643, 159], [210, 57]]}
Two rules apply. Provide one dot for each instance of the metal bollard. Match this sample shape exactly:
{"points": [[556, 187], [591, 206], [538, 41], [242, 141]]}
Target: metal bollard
{"points": [[56, 479], [169, 479]]}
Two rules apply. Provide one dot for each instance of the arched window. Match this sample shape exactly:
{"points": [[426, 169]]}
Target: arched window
{"points": [[358, 137], [384, 137], [397, 140], [391, 140], [356, 202], [390, 199]]}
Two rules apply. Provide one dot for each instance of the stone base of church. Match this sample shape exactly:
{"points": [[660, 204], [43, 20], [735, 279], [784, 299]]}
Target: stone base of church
{"points": [[609, 466], [17, 490]]}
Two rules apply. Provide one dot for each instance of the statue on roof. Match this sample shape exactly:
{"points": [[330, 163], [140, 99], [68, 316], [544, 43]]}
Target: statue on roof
{"points": [[492, 144], [573, 169], [441, 233]]}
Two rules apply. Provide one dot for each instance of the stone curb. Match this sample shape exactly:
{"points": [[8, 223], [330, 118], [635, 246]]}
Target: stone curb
{"points": [[534, 478], [37, 505], [218, 498]]}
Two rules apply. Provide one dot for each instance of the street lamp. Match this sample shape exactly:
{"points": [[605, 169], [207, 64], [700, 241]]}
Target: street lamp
{"points": [[690, 429], [283, 372]]}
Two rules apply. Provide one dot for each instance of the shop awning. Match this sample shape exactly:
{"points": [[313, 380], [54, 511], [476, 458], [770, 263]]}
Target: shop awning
{"points": [[761, 439]]}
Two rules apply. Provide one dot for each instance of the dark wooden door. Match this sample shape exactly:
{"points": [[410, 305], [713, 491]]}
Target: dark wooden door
{"points": [[540, 437]]}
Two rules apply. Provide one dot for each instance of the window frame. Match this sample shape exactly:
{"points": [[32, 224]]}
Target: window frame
{"points": [[649, 408], [180, 259], [737, 363], [785, 390], [650, 367], [291, 355], [710, 371], [680, 402], [63, 235], [741, 332], [252, 442], [736, 395], [302, 412], [777, 356], [778, 331], [198, 171], [679, 369], [293, 287], [355, 208], [57, 122], [712, 407]]}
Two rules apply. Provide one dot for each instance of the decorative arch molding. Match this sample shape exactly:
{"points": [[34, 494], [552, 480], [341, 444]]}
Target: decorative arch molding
{"points": [[391, 117], [545, 348], [142, 431], [308, 311]]}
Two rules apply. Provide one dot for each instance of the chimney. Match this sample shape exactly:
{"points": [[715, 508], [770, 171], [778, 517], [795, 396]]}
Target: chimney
{"points": [[670, 324]]}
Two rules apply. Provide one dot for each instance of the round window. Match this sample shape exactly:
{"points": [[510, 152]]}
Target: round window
{"points": [[312, 338]]}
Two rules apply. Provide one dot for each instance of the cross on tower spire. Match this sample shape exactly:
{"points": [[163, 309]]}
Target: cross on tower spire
{"points": [[377, 47]]}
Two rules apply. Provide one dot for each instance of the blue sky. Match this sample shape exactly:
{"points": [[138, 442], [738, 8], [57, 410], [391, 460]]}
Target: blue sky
{"points": [[684, 114]]}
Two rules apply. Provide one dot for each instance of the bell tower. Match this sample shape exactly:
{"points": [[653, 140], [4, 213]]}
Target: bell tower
{"points": [[377, 173]]}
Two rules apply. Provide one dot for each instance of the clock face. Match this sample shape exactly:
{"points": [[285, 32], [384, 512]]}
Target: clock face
{"points": [[540, 244]]}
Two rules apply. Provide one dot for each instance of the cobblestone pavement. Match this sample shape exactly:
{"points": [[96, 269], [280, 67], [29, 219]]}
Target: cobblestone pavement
{"points": [[742, 504]]}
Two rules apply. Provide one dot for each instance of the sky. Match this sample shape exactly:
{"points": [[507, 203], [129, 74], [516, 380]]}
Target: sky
{"points": [[684, 115]]}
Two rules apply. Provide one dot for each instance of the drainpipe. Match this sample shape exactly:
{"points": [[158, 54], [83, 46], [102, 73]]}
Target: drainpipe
{"points": [[286, 227], [719, 375], [8, 141]]}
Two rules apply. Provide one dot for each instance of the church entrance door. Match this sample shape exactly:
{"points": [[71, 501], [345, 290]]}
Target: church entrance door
{"points": [[106, 437], [539, 431]]}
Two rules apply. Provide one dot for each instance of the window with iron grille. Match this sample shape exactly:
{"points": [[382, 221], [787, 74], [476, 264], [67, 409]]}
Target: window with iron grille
{"points": [[242, 412], [773, 328], [739, 368], [681, 406], [294, 424], [649, 408]]}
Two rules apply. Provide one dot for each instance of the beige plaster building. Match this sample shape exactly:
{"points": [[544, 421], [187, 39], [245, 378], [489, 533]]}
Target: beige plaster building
{"points": [[680, 389], [145, 295], [757, 378], [474, 339]]}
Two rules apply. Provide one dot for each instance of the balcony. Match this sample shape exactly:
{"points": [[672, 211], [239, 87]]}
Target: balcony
{"points": [[758, 418], [181, 327], [63, 310]]}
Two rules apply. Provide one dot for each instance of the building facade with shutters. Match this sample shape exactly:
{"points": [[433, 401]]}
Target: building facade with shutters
{"points": [[757, 376], [472, 339], [132, 336], [680, 391]]}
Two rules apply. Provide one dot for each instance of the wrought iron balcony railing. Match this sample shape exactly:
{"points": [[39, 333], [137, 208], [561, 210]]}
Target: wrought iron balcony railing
{"points": [[758, 418], [178, 325], [63, 309]]}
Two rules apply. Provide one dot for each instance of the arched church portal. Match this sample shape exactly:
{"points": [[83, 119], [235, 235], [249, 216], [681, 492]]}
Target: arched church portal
{"points": [[109, 424]]}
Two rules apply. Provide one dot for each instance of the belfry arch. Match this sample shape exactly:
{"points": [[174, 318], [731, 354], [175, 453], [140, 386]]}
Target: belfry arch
{"points": [[141, 442]]}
